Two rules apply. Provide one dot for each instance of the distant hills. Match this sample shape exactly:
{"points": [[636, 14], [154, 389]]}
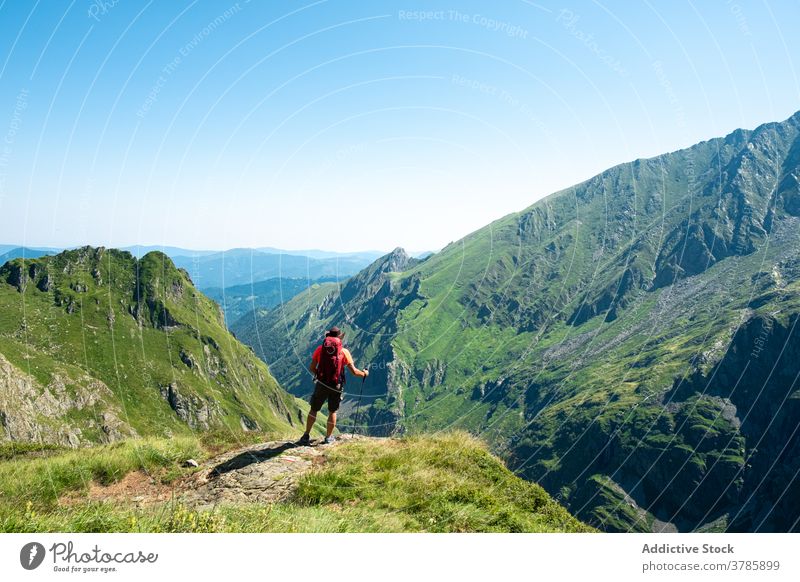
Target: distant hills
{"points": [[139, 251], [219, 269], [172, 252], [97, 345], [253, 299], [369, 256], [630, 343], [9, 252], [244, 266]]}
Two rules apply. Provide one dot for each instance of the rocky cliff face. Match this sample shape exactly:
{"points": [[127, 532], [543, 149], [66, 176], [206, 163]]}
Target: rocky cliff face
{"points": [[759, 381], [34, 413]]}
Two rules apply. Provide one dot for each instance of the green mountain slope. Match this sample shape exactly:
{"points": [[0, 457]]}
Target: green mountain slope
{"points": [[96, 345], [617, 341]]}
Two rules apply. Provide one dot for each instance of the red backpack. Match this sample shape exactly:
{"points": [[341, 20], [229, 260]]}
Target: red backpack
{"points": [[331, 362]]}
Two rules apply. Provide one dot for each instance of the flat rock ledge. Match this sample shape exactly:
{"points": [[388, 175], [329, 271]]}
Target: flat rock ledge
{"points": [[264, 473]]}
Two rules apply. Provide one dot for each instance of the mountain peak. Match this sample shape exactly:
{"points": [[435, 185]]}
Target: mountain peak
{"points": [[367, 282], [397, 260]]}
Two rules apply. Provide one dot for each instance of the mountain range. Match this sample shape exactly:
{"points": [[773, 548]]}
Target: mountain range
{"points": [[247, 266], [630, 343], [218, 269]]}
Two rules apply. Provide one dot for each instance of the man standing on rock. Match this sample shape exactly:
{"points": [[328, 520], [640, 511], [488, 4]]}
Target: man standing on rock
{"points": [[327, 367]]}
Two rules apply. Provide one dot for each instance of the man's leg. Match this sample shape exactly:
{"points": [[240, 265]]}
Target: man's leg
{"points": [[331, 422], [312, 418], [334, 400], [315, 403]]}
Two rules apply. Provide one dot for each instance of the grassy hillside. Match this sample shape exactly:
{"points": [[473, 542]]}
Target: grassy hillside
{"points": [[97, 346], [444, 483], [583, 335]]}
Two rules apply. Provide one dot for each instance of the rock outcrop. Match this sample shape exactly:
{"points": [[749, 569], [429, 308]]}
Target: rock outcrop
{"points": [[35, 413]]}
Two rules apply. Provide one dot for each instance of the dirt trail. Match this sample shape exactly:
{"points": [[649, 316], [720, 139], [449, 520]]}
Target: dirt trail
{"points": [[263, 473]]}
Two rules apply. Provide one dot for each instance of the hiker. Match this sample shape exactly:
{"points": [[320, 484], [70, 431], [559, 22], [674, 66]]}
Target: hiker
{"points": [[327, 368]]}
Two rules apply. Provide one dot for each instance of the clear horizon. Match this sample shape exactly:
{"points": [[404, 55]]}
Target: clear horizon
{"points": [[346, 127], [265, 249]]}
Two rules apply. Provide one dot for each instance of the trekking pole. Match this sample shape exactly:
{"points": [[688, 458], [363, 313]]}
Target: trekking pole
{"points": [[358, 406]]}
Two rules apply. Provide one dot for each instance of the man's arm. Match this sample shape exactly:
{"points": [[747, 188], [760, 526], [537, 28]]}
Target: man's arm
{"points": [[356, 372], [352, 367], [314, 361]]}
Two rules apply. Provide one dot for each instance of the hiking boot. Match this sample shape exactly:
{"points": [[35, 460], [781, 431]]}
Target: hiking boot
{"points": [[329, 440], [304, 440]]}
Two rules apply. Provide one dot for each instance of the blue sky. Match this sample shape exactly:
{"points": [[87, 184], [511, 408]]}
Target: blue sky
{"points": [[356, 125]]}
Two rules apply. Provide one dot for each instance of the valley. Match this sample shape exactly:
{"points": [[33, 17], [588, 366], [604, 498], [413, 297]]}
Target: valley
{"points": [[629, 342]]}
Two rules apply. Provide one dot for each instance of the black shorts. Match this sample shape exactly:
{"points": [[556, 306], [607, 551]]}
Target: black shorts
{"points": [[323, 392]]}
